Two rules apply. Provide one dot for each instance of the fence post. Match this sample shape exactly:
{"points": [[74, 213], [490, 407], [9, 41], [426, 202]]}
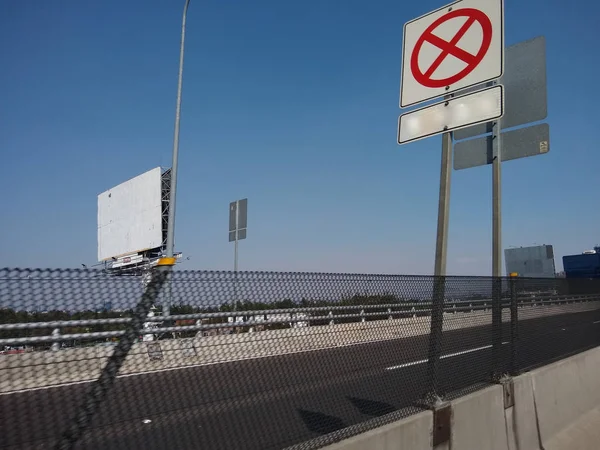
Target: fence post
{"points": [[514, 326], [435, 335]]}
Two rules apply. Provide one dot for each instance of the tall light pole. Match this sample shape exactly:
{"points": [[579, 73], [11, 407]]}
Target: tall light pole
{"points": [[173, 193]]}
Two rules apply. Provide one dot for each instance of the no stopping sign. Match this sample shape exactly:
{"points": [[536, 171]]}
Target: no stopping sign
{"points": [[454, 47]]}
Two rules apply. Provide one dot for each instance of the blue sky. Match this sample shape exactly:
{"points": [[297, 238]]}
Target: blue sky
{"points": [[291, 104]]}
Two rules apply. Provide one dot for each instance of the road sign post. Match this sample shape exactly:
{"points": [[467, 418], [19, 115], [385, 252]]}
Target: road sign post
{"points": [[441, 248], [496, 246]]}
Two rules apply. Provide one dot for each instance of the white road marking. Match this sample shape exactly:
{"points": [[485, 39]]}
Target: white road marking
{"points": [[449, 355], [597, 321], [146, 421], [400, 366]]}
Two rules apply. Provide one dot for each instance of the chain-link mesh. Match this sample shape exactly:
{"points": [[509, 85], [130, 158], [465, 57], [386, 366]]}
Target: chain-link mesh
{"points": [[259, 360]]}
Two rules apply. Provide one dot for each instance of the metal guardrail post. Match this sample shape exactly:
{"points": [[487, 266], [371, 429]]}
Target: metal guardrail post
{"points": [[56, 344]]}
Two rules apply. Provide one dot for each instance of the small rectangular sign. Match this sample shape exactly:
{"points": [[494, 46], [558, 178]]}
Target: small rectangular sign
{"points": [[452, 114], [187, 347], [154, 351], [243, 214], [521, 143], [238, 219], [232, 216]]}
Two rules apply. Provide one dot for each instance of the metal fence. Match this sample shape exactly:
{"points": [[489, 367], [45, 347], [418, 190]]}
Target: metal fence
{"points": [[262, 360]]}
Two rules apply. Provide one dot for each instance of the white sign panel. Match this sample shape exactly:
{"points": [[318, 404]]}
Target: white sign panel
{"points": [[130, 216], [455, 113], [452, 48]]}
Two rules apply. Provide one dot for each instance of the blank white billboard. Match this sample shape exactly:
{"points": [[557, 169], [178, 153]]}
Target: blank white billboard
{"points": [[130, 216]]}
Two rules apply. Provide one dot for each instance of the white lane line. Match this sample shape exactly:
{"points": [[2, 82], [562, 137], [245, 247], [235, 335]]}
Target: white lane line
{"points": [[597, 321], [400, 366], [449, 355]]}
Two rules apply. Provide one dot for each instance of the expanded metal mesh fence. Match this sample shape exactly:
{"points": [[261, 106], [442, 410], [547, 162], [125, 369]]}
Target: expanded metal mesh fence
{"points": [[262, 360]]}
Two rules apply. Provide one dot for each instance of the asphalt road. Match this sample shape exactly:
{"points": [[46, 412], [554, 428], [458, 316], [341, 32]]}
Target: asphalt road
{"points": [[274, 402]]}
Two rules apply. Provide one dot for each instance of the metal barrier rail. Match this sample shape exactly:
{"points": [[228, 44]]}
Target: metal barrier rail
{"points": [[461, 306], [225, 314]]}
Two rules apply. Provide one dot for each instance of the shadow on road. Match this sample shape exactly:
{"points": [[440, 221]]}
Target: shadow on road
{"points": [[321, 423], [371, 408]]}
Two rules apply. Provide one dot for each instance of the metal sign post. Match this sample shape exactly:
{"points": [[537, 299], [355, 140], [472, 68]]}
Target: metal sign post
{"points": [[496, 246], [497, 200], [441, 249], [441, 246], [235, 252]]}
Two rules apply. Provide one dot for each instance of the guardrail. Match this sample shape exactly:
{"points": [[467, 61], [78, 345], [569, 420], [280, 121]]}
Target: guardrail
{"points": [[390, 312]]}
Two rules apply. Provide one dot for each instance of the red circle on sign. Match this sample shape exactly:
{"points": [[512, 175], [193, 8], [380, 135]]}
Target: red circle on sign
{"points": [[450, 48]]}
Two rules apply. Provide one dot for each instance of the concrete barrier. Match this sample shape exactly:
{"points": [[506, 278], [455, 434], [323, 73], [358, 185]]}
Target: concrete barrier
{"points": [[32, 370], [567, 402], [521, 421], [478, 421], [414, 433], [556, 407]]}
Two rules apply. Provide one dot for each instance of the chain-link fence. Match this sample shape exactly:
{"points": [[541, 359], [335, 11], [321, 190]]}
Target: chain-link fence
{"points": [[262, 360]]}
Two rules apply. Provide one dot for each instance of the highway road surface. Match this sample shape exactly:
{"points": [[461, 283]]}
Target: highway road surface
{"points": [[275, 402]]}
